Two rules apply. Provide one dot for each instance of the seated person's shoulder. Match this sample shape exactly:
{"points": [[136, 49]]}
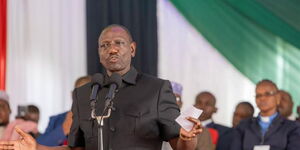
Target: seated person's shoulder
{"points": [[246, 123], [220, 127], [85, 86], [292, 124]]}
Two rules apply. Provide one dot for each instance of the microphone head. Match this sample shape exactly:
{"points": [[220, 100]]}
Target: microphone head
{"points": [[97, 78], [115, 78]]}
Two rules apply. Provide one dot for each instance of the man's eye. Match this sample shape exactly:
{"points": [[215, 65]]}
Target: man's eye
{"points": [[268, 94], [105, 45], [119, 43]]}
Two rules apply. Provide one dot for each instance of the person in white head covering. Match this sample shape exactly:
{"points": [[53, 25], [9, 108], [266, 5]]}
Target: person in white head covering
{"points": [[4, 111], [177, 90]]}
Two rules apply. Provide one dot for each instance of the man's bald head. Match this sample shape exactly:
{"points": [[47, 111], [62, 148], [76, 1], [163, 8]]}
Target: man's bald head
{"points": [[286, 104], [117, 27], [207, 102], [243, 110], [268, 83], [206, 95]]}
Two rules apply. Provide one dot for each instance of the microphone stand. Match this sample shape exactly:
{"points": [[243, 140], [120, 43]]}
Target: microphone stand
{"points": [[100, 119]]}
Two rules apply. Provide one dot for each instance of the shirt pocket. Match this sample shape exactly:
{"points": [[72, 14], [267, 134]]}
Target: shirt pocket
{"points": [[142, 124], [129, 122]]}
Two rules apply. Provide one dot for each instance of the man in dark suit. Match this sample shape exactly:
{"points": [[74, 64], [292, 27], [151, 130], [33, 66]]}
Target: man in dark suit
{"points": [[269, 131], [243, 110], [144, 106]]}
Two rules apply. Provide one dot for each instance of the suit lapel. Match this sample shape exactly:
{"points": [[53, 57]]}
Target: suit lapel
{"points": [[256, 128], [276, 124]]}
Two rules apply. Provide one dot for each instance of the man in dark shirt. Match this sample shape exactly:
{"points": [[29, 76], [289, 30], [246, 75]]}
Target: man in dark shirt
{"points": [[145, 107]]}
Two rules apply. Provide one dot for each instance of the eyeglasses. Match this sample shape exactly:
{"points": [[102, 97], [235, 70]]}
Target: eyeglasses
{"points": [[116, 43], [267, 94]]}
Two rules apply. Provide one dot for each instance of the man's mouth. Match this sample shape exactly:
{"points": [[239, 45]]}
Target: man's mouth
{"points": [[113, 59]]}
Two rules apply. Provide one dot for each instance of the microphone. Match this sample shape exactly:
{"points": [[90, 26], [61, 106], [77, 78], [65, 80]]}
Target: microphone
{"points": [[114, 82], [97, 81]]}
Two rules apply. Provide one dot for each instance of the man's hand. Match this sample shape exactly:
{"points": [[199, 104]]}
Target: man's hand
{"points": [[26, 142], [187, 139], [67, 123], [189, 135]]}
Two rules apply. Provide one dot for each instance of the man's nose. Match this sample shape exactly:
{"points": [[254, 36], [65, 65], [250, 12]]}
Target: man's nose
{"points": [[113, 49]]}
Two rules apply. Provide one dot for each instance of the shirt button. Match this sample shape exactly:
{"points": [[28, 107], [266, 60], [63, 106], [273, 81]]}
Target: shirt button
{"points": [[113, 108], [112, 129]]}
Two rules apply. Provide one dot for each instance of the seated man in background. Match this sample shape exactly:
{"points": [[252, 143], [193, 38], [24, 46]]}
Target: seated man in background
{"points": [[58, 129], [4, 112], [269, 130], [27, 121], [243, 110], [286, 105], [33, 113], [207, 102]]}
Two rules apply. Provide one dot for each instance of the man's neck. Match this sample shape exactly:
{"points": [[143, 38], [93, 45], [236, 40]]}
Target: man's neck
{"points": [[268, 113]]}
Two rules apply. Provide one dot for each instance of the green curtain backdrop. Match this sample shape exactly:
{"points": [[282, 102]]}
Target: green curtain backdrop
{"points": [[257, 41], [280, 17]]}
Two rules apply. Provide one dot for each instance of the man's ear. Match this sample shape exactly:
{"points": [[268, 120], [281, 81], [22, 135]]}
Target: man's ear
{"points": [[215, 109], [278, 97], [132, 49]]}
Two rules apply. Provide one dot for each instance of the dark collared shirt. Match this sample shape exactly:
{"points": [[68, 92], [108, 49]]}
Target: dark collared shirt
{"points": [[143, 116]]}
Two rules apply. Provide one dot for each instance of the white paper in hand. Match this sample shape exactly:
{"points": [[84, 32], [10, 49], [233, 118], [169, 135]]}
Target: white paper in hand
{"points": [[189, 112]]}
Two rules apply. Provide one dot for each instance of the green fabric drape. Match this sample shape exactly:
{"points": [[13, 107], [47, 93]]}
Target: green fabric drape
{"points": [[254, 50], [277, 16]]}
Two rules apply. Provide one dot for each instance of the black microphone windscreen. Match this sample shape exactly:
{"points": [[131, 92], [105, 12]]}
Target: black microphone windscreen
{"points": [[115, 78], [97, 79]]}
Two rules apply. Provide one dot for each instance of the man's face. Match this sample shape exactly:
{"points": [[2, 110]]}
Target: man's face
{"points": [[116, 50], [33, 117], [286, 104], [267, 99], [4, 113], [206, 102], [241, 112]]}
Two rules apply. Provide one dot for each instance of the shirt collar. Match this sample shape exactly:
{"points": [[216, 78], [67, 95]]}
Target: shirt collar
{"points": [[206, 122], [129, 77], [268, 119]]}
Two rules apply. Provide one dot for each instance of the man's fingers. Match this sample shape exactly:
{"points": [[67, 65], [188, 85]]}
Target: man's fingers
{"points": [[7, 142], [7, 145], [197, 131], [21, 132]]}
